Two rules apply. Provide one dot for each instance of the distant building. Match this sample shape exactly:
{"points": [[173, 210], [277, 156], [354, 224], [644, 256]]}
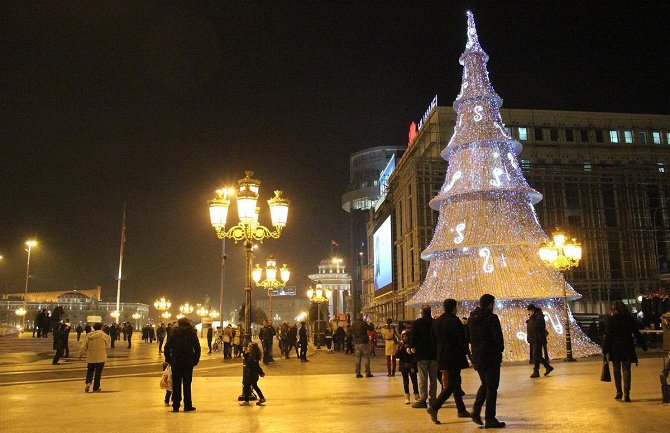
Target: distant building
{"points": [[333, 276], [365, 180], [605, 178], [286, 306], [78, 306]]}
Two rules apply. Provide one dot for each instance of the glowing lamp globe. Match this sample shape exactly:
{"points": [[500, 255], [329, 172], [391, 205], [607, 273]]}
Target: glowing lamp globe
{"points": [[310, 293], [257, 273], [20, 312], [218, 209], [285, 273], [278, 209]]}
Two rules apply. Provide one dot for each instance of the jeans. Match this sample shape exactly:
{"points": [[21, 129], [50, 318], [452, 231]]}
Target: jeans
{"points": [[246, 390], [130, 338], [616, 367], [95, 367], [362, 350], [406, 376], [390, 364], [58, 355], [427, 380], [160, 344], [453, 386], [181, 375], [303, 350], [488, 390]]}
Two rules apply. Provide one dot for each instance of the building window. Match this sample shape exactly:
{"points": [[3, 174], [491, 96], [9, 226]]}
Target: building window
{"points": [[587, 165], [525, 165], [628, 137], [538, 134], [599, 136], [667, 137], [584, 135], [523, 134], [569, 135], [553, 134], [642, 137], [661, 167], [656, 136], [614, 136]]}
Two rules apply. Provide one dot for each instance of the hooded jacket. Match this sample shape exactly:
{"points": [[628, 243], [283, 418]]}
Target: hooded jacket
{"points": [[486, 339], [94, 347], [452, 347], [183, 347]]}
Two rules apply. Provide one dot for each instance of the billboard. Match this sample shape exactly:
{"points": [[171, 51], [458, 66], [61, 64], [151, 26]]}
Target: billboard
{"points": [[383, 250]]}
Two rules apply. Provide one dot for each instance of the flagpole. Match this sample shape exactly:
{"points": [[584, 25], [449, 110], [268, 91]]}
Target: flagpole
{"points": [[118, 285]]}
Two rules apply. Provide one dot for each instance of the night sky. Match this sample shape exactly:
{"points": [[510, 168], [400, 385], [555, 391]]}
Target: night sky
{"points": [[161, 104]]}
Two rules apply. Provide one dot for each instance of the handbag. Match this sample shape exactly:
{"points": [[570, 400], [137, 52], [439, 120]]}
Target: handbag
{"points": [[605, 375]]}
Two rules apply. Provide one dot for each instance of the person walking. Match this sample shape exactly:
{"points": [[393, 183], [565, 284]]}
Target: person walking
{"points": [[113, 330], [329, 338], [59, 343], [227, 341], [302, 341], [486, 339], [129, 334], [361, 340], [66, 338], [182, 352], [292, 340], [621, 332], [407, 365], [251, 373], [536, 335], [424, 347], [160, 333], [452, 349], [94, 348], [79, 330], [390, 346], [210, 336], [87, 329], [372, 339], [349, 340]]}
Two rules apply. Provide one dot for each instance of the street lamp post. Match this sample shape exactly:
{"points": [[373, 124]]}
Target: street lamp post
{"points": [[163, 305], [137, 316], [248, 229], [218, 213], [562, 256], [202, 312], [318, 295], [186, 309], [21, 312], [270, 282]]}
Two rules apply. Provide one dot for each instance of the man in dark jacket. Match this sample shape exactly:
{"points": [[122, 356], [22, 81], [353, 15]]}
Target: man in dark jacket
{"points": [[302, 342], [487, 342], [160, 332], [452, 349], [113, 333], [536, 335], [424, 347], [266, 335], [361, 344], [79, 330], [210, 336], [182, 352], [129, 333]]}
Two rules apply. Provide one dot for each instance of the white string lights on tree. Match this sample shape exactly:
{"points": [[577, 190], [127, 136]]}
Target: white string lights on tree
{"points": [[490, 196]]}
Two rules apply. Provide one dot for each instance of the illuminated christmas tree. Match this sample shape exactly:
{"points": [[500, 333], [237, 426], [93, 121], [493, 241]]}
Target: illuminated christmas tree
{"points": [[488, 235]]}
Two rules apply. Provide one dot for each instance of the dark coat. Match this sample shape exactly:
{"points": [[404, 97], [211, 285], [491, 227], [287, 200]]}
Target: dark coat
{"points": [[452, 347], [407, 361], [302, 333], [422, 339], [183, 347], [266, 333], [621, 331], [536, 335], [486, 338], [252, 370], [360, 329], [60, 340], [292, 335]]}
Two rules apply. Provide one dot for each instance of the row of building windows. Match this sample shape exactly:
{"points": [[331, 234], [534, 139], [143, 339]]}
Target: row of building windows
{"points": [[615, 136], [526, 166]]}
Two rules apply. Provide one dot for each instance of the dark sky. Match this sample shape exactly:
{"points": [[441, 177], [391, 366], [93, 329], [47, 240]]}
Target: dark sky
{"points": [[159, 104]]}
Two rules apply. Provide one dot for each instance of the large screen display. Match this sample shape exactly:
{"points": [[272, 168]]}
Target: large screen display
{"points": [[383, 250]]}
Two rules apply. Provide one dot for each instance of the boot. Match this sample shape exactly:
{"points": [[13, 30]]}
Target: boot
{"points": [[416, 397], [407, 399], [535, 374]]}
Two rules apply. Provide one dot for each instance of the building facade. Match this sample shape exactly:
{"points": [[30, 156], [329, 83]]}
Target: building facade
{"points": [[332, 274], [604, 178], [286, 306]]}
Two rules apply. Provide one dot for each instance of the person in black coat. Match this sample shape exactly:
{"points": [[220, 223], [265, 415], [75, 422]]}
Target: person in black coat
{"points": [[621, 332], [292, 341], [536, 335], [302, 342], [182, 352], [251, 372], [488, 344], [59, 342], [424, 347], [210, 336], [452, 349], [113, 333]]}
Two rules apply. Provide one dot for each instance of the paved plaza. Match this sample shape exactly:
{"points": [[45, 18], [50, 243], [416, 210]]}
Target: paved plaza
{"points": [[321, 395]]}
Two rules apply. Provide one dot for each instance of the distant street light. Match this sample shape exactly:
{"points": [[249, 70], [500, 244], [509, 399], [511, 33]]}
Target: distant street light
{"points": [[162, 304], [166, 315], [562, 255], [270, 282], [137, 316], [318, 295], [186, 309], [30, 244]]}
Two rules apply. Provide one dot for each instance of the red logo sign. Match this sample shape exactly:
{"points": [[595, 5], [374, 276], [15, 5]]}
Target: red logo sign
{"points": [[412, 133]]}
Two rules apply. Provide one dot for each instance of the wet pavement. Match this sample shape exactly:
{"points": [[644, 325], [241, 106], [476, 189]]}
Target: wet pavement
{"points": [[321, 395]]}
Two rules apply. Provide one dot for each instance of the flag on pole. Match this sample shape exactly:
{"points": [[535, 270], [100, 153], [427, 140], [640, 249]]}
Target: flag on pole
{"points": [[333, 243]]}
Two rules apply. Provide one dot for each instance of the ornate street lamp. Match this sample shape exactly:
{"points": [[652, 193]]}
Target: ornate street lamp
{"points": [[166, 315], [202, 312], [218, 213], [318, 296], [137, 316], [562, 256], [162, 304], [271, 282], [30, 244], [115, 314], [248, 229], [186, 309]]}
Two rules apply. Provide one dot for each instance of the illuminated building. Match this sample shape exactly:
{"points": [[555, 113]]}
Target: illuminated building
{"points": [[332, 274]]}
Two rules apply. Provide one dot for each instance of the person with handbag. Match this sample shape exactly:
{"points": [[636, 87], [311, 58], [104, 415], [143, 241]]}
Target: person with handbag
{"points": [[621, 334], [390, 346]]}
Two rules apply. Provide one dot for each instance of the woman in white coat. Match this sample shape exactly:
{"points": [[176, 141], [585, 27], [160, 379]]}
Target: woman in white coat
{"points": [[95, 347]]}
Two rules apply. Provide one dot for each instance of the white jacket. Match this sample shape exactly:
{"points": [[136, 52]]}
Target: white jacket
{"points": [[94, 347]]}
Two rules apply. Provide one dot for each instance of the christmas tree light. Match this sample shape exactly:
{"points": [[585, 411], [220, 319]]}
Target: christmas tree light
{"points": [[487, 235]]}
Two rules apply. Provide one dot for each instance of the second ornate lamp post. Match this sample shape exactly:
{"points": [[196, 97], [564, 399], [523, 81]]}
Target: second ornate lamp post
{"points": [[163, 305], [270, 282], [248, 229], [318, 296], [562, 256]]}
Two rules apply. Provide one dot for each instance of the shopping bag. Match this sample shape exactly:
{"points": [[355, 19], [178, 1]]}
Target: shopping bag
{"points": [[166, 379], [605, 375]]}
